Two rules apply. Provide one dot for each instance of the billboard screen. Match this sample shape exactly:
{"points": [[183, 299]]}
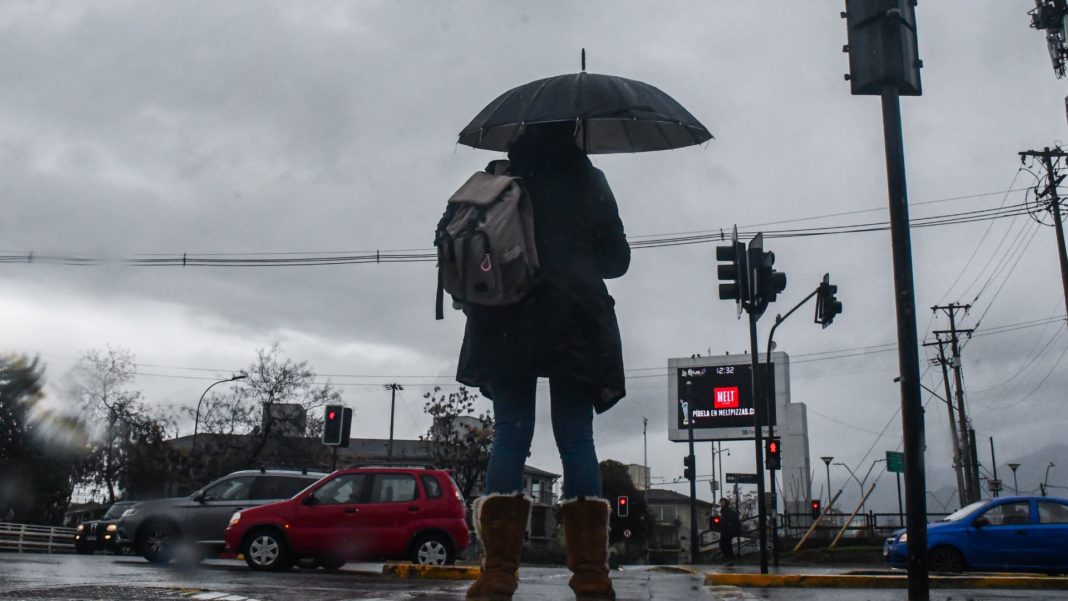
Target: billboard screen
{"points": [[720, 397], [716, 393]]}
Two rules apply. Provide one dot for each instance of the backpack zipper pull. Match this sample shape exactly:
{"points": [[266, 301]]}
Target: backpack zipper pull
{"points": [[487, 263]]}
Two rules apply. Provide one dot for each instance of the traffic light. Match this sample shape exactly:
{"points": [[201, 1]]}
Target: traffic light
{"points": [[622, 506], [733, 272], [827, 306], [772, 454], [816, 508], [882, 47], [713, 524], [335, 426], [688, 471], [765, 282]]}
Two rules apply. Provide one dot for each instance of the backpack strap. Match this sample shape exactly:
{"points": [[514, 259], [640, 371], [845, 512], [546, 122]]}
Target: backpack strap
{"points": [[439, 309], [499, 167]]}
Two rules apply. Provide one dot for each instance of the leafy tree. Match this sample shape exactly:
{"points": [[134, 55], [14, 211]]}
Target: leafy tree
{"points": [[458, 440], [253, 422], [39, 450], [616, 482]]}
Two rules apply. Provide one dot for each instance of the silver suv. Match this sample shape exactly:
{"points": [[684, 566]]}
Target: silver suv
{"points": [[195, 526]]}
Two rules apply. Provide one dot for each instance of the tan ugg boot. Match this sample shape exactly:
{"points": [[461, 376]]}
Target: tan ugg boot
{"points": [[586, 538], [500, 524]]}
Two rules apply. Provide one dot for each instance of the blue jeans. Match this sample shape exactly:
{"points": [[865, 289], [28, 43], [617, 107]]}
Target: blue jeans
{"points": [[513, 430]]}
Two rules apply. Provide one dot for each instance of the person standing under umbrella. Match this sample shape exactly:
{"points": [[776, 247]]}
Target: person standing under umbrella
{"points": [[565, 330]]}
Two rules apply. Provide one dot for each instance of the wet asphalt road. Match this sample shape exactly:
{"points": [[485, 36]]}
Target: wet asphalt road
{"points": [[103, 577]]}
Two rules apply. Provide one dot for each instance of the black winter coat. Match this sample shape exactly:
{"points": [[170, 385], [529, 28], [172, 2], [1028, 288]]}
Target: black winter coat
{"points": [[567, 326]]}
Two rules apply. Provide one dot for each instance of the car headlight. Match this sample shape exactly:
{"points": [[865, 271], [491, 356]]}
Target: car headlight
{"points": [[81, 527], [113, 527], [904, 538], [234, 519]]}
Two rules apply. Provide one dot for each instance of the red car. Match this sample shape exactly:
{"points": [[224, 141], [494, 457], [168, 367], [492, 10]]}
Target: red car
{"points": [[357, 513]]}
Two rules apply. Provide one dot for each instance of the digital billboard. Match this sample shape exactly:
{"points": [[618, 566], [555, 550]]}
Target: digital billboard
{"points": [[716, 394]]}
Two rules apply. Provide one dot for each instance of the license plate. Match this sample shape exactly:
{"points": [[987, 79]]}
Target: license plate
{"points": [[91, 537]]}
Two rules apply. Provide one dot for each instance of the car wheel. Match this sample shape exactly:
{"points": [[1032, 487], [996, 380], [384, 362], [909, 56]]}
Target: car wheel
{"points": [[266, 550], [433, 550], [945, 559], [157, 541]]}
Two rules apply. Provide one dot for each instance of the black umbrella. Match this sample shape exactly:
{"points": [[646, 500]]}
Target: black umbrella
{"points": [[611, 114]]}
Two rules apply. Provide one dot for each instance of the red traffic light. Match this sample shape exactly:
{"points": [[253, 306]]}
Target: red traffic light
{"points": [[716, 519], [622, 500], [773, 447], [331, 415]]}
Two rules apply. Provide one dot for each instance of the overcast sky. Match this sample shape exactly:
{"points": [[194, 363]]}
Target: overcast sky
{"points": [[133, 128]]}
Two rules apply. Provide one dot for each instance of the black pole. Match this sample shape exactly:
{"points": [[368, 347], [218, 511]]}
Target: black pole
{"points": [[392, 405], [994, 462], [900, 511], [907, 349], [694, 543], [758, 439], [333, 458]]}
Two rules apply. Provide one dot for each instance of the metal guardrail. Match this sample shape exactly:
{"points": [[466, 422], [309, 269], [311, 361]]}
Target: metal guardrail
{"points": [[26, 538]]}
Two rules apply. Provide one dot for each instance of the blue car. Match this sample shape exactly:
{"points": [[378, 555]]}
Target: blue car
{"points": [[1002, 534]]}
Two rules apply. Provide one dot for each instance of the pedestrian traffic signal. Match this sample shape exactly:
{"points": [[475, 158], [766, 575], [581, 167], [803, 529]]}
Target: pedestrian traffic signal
{"points": [[337, 423], [765, 283], [688, 471], [816, 508], [733, 272], [622, 506], [882, 47], [772, 454], [827, 306]]}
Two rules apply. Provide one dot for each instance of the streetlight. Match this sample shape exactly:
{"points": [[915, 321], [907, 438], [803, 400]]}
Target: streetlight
{"points": [[1045, 481], [859, 481], [827, 464], [196, 419], [1015, 487]]}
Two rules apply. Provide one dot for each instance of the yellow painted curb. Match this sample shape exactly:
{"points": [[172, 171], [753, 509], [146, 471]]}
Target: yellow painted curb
{"points": [[411, 570], [881, 582]]}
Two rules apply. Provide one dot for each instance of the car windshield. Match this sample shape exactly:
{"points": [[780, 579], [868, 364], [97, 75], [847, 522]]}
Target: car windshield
{"points": [[116, 510], [964, 512]]}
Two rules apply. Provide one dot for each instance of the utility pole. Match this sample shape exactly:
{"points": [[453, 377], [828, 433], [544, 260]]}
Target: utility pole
{"points": [[394, 387], [1047, 199], [958, 468], [971, 471]]}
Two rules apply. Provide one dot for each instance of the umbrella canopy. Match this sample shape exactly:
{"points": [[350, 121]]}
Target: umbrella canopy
{"points": [[611, 114]]}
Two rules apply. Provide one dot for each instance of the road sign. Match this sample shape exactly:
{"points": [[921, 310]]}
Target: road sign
{"points": [[895, 462], [714, 485], [994, 485], [741, 478]]}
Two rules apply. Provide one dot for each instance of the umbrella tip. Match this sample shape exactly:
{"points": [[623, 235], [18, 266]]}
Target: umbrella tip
{"points": [[583, 60]]}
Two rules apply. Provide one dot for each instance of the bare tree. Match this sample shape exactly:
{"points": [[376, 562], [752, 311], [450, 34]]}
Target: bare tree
{"points": [[458, 440], [127, 436], [269, 417]]}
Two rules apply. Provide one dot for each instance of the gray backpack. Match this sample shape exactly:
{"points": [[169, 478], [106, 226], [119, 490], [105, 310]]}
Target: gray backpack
{"points": [[485, 241]]}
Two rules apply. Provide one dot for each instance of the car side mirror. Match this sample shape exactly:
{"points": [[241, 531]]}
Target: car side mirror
{"points": [[980, 522], [309, 500], [199, 497]]}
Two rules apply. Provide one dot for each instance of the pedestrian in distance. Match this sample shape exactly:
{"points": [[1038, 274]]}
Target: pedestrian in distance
{"points": [[729, 527], [565, 330]]}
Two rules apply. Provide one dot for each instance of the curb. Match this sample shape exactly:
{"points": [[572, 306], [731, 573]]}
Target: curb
{"points": [[883, 582], [411, 570]]}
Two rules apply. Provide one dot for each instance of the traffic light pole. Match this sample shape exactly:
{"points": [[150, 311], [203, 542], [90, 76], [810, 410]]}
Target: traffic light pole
{"points": [[771, 424], [907, 349], [759, 443], [695, 546]]}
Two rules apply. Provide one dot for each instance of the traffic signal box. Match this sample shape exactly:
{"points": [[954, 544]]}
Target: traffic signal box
{"points": [[827, 306], [337, 424], [733, 273], [688, 471], [622, 506], [882, 47], [773, 454], [817, 508]]}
